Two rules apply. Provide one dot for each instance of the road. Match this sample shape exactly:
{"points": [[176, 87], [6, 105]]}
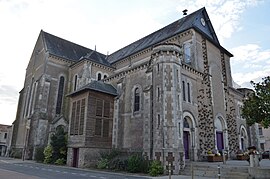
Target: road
{"points": [[14, 169]]}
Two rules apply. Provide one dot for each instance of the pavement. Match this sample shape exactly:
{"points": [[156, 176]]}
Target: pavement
{"points": [[265, 163]]}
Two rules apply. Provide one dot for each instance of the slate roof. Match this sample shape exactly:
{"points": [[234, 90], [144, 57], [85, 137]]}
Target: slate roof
{"points": [[74, 52], [192, 20], [97, 86], [71, 51]]}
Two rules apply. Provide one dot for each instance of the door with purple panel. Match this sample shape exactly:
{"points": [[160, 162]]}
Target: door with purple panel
{"points": [[186, 144], [220, 144]]}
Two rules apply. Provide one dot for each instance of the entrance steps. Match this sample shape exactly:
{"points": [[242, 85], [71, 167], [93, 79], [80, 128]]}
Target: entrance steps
{"points": [[210, 170]]}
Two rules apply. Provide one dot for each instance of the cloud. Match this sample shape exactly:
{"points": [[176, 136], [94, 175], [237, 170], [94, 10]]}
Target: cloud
{"points": [[243, 79], [250, 53], [227, 10], [8, 94]]}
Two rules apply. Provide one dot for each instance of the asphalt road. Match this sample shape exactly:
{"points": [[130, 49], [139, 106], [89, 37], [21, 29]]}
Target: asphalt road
{"points": [[18, 169]]}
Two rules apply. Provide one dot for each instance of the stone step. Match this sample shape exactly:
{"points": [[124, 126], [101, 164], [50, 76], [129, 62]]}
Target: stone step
{"points": [[212, 171]]}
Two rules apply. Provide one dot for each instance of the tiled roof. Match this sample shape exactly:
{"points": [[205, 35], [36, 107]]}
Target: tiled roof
{"points": [[97, 86]]}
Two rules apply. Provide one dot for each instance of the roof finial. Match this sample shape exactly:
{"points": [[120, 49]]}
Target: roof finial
{"points": [[184, 12]]}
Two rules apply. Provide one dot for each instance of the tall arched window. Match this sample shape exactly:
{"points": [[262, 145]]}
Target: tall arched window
{"points": [[137, 99], [75, 82], [60, 95], [99, 76]]}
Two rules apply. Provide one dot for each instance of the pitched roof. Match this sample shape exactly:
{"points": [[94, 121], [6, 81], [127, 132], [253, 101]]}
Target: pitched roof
{"points": [[192, 20], [74, 52], [97, 86], [71, 51]]}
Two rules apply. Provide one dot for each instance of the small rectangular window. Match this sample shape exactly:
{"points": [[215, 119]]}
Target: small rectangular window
{"points": [[99, 107], [5, 135], [106, 109], [106, 128], [98, 127]]}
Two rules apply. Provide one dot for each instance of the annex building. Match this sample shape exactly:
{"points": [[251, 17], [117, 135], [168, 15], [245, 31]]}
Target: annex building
{"points": [[169, 95]]}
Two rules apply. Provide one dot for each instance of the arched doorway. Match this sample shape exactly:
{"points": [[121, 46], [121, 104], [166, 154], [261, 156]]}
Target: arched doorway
{"points": [[243, 138], [220, 133], [186, 137], [189, 137]]}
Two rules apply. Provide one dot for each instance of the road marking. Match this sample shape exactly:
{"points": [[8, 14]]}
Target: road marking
{"points": [[103, 177], [4, 161], [83, 174], [93, 176], [64, 172], [31, 167], [74, 173], [57, 171], [37, 167]]}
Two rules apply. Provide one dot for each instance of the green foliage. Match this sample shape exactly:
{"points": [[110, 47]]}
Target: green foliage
{"points": [[103, 163], [59, 145], [156, 168], [110, 154], [16, 153], [256, 108], [39, 155], [60, 161], [136, 163], [119, 163], [48, 154]]}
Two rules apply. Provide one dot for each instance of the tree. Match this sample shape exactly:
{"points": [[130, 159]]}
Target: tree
{"points": [[59, 144], [256, 108]]}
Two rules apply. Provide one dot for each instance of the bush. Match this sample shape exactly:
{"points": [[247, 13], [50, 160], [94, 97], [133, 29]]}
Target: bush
{"points": [[39, 155], [136, 163], [48, 154], [60, 161], [119, 163], [103, 163], [156, 168], [109, 154]]}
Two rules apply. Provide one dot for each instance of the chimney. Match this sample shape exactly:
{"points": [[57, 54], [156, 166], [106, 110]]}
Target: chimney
{"points": [[185, 12]]}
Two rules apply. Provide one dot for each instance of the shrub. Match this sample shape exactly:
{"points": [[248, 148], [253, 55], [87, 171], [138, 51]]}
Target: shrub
{"points": [[39, 155], [109, 154], [48, 154], [103, 163], [60, 161], [156, 168], [119, 163], [135, 163]]}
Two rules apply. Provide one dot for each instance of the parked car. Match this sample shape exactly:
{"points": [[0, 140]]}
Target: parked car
{"points": [[265, 154]]}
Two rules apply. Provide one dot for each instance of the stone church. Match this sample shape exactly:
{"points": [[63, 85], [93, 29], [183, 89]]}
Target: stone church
{"points": [[169, 95]]}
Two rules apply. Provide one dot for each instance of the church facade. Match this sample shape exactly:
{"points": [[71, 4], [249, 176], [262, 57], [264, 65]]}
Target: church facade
{"points": [[169, 95]]}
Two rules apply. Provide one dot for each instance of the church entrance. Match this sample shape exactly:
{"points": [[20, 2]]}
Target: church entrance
{"points": [[220, 143], [186, 139], [75, 157]]}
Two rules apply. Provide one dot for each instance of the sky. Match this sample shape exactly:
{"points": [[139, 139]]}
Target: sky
{"points": [[242, 28]]}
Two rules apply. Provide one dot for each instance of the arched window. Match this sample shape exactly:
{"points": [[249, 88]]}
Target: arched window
{"points": [[60, 95], [99, 76], [75, 82], [137, 99], [188, 91], [187, 53], [186, 124], [105, 76], [184, 90]]}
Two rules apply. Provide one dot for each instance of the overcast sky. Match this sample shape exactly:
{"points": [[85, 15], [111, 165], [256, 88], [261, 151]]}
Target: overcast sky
{"points": [[242, 26]]}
